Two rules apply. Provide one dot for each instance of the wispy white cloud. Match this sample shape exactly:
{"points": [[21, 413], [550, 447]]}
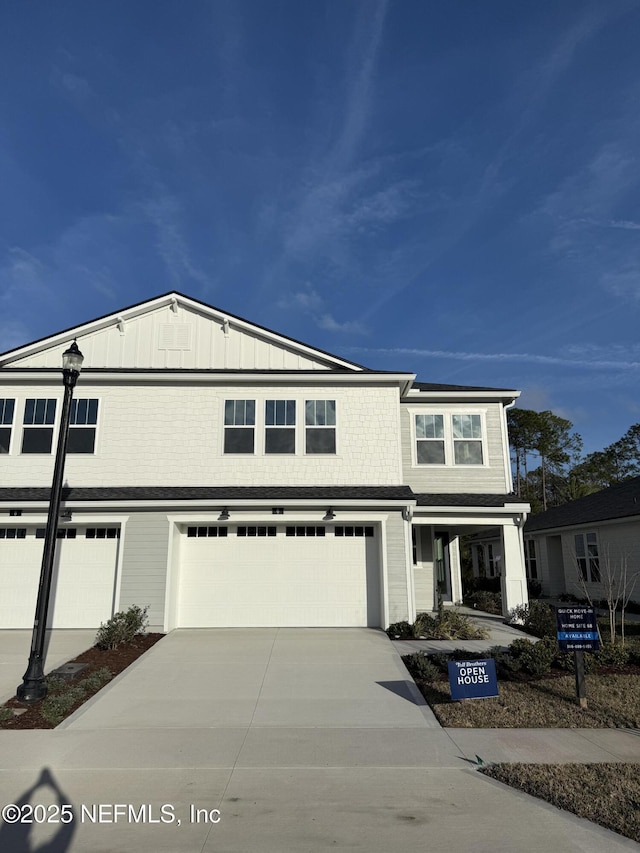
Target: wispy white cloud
{"points": [[73, 86], [529, 358], [309, 302], [164, 212], [625, 225]]}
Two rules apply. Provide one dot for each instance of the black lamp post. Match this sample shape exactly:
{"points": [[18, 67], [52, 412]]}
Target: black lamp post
{"points": [[34, 687]]}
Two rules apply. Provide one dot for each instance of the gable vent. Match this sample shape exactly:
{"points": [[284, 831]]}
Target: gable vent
{"points": [[175, 336]]}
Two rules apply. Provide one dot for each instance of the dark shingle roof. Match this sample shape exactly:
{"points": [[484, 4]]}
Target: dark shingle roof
{"points": [[466, 499], [215, 494], [436, 386], [621, 501]]}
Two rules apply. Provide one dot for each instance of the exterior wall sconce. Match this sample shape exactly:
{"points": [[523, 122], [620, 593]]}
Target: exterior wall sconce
{"points": [[329, 515], [224, 515]]}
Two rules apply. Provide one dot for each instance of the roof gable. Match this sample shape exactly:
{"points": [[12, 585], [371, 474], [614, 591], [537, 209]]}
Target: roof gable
{"points": [[177, 332]]}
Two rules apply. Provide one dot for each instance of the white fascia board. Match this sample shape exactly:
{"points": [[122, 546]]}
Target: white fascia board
{"points": [[458, 396], [206, 377], [354, 504]]}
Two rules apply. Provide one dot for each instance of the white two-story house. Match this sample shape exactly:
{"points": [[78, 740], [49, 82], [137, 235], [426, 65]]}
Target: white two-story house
{"points": [[225, 475]]}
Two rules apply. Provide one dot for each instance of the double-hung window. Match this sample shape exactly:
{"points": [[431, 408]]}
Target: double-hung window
{"points": [[6, 422], [430, 439], [280, 426], [82, 426], [530, 558], [39, 416], [239, 426], [467, 439], [320, 426], [587, 556]]}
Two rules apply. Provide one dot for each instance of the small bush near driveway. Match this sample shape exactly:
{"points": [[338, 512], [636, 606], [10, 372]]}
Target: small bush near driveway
{"points": [[122, 627]]}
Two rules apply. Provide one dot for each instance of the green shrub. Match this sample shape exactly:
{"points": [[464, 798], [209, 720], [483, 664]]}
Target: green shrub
{"points": [[449, 624], [55, 708], [400, 631], [534, 588], [92, 683], [534, 658], [481, 584], [490, 602], [122, 627], [612, 655], [6, 714], [537, 618], [421, 667]]}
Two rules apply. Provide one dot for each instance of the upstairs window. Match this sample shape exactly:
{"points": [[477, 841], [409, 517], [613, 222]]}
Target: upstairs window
{"points": [[6, 422], [320, 426], [430, 439], [467, 439], [239, 426], [280, 426], [587, 557], [39, 416], [82, 426]]}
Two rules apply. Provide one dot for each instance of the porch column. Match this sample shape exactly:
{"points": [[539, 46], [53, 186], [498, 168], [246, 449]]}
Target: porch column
{"points": [[513, 579]]}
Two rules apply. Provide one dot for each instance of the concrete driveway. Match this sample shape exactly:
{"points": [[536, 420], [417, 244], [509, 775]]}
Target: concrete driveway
{"points": [[297, 740]]}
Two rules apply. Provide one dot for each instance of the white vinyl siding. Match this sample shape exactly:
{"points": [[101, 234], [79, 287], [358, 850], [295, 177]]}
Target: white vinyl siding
{"points": [[490, 477]]}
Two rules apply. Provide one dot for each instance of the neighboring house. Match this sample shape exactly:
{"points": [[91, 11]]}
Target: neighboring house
{"points": [[575, 548], [226, 475]]}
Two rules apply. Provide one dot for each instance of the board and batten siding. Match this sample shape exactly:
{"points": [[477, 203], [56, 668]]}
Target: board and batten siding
{"points": [[490, 478], [154, 434], [144, 565], [182, 340]]}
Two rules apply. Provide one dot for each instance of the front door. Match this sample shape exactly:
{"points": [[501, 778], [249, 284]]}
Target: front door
{"points": [[441, 565]]}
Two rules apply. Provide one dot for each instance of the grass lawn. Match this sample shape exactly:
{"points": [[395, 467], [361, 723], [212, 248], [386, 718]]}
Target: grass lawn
{"points": [[607, 794], [613, 702]]}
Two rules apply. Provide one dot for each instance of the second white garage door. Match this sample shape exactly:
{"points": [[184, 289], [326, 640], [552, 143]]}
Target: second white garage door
{"points": [[279, 576], [83, 583]]}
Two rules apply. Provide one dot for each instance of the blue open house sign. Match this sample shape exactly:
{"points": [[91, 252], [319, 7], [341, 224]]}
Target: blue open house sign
{"points": [[473, 679]]}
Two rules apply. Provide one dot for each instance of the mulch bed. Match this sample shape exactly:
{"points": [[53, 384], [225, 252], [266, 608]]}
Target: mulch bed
{"points": [[115, 660]]}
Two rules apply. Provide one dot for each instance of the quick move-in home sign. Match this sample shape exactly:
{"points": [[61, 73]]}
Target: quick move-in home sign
{"points": [[473, 679], [577, 629]]}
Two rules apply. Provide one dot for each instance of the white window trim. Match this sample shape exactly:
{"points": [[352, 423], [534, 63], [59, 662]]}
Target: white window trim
{"points": [[11, 426], [584, 534], [294, 427], [96, 425], [260, 427], [449, 450], [304, 424], [55, 426]]}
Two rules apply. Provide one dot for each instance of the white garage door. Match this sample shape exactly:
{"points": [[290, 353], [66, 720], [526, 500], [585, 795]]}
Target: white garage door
{"points": [[279, 576], [83, 584]]}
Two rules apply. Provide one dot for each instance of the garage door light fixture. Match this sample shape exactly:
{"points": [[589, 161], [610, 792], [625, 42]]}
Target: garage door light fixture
{"points": [[329, 515], [224, 515]]}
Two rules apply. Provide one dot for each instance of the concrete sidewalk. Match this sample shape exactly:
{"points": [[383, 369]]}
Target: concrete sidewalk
{"points": [[302, 739]]}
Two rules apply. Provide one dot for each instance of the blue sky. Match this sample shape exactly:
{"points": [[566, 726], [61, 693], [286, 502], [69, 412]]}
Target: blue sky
{"points": [[446, 188]]}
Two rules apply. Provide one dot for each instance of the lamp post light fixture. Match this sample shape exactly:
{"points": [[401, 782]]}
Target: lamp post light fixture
{"points": [[34, 686]]}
